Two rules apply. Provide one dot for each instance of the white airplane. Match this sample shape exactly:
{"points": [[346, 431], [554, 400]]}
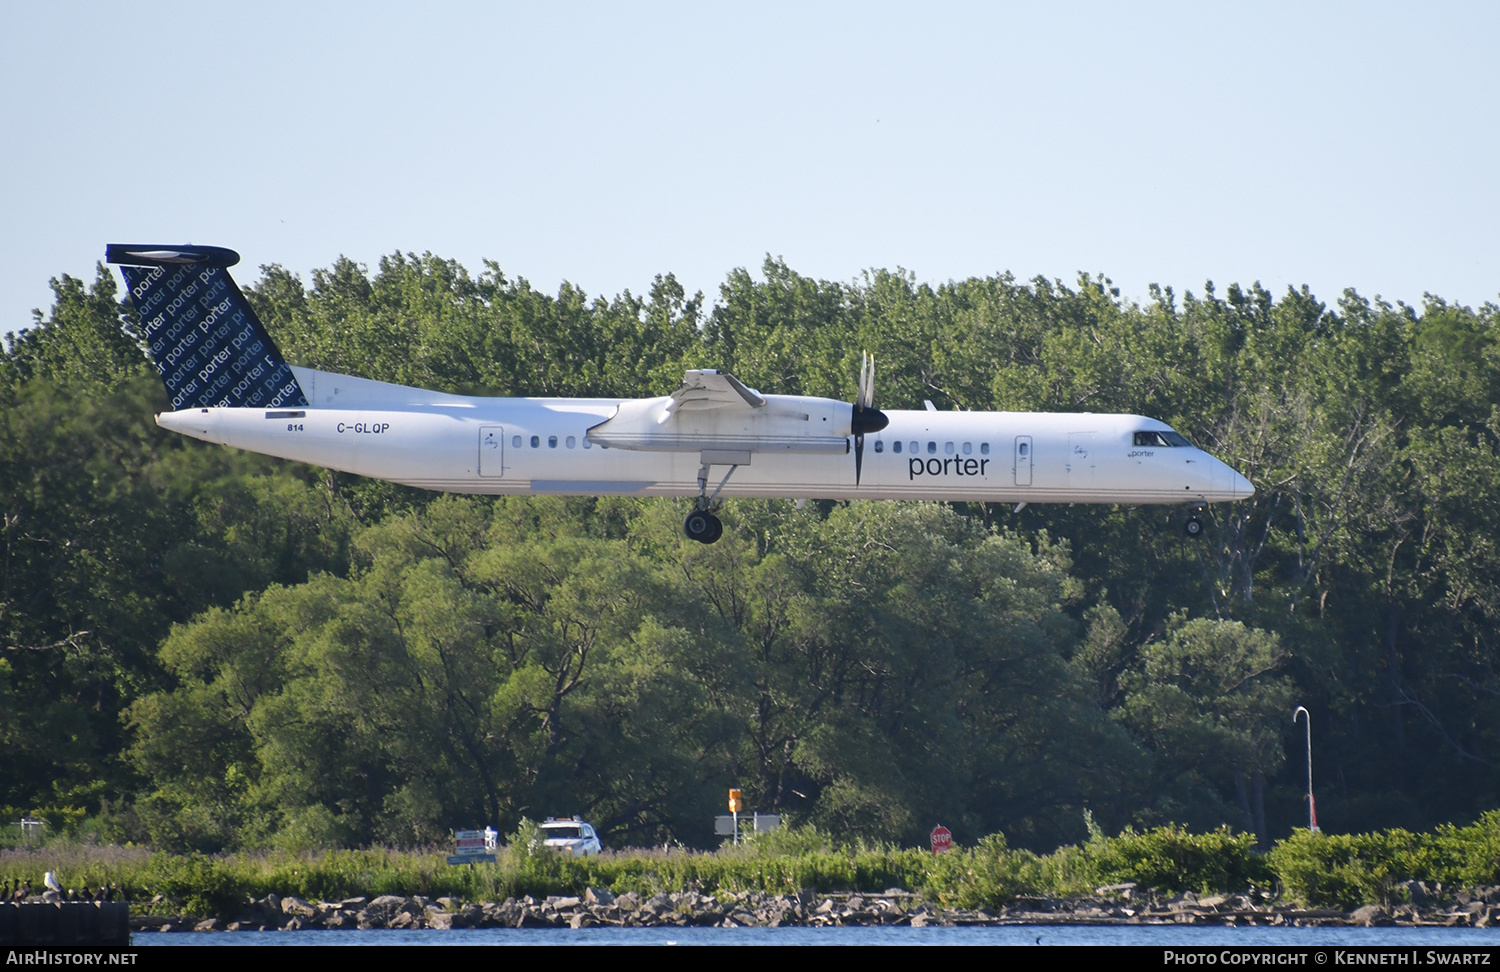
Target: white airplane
{"points": [[229, 384]]}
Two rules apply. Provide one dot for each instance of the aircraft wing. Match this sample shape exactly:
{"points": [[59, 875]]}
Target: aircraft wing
{"points": [[713, 389], [715, 412]]}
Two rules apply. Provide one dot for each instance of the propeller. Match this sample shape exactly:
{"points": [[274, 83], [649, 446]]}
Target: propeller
{"points": [[867, 418]]}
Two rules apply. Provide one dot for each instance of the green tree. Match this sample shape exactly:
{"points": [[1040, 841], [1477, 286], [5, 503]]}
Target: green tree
{"points": [[1209, 701]]}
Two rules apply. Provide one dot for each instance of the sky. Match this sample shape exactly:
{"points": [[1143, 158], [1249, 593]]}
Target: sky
{"points": [[1334, 145]]}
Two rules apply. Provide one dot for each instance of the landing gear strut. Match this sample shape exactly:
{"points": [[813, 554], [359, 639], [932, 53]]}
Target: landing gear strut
{"points": [[701, 524]]}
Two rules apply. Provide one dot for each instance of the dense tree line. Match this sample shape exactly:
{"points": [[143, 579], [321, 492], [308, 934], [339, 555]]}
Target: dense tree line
{"points": [[204, 648]]}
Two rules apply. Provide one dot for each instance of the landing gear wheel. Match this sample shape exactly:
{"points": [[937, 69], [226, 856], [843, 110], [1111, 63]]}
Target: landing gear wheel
{"points": [[702, 526], [1193, 527]]}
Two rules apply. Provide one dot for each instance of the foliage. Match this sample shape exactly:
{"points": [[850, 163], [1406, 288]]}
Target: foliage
{"points": [[210, 650], [1343, 871], [1353, 869], [1172, 860]]}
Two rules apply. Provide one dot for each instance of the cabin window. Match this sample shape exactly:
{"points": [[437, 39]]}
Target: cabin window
{"points": [[947, 448], [536, 442], [968, 448], [552, 442], [1023, 449], [896, 448], [984, 448], [571, 442], [932, 448], [916, 447], [880, 446], [586, 443], [515, 441]]}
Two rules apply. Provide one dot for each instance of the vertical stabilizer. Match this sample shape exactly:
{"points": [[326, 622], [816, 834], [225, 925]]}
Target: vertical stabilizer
{"points": [[206, 343]]}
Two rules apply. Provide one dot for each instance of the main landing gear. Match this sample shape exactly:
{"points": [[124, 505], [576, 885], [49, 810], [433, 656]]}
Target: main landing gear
{"points": [[1194, 525], [701, 524]]}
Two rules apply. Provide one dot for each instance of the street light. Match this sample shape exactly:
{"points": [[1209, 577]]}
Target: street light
{"points": [[1312, 808]]}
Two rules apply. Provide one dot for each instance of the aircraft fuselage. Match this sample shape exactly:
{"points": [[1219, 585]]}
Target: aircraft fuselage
{"points": [[467, 444]]}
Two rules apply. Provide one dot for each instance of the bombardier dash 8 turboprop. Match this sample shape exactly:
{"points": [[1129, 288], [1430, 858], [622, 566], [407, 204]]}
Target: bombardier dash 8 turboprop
{"points": [[229, 384]]}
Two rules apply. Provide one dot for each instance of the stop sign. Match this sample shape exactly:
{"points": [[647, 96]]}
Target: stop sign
{"points": [[942, 840]]}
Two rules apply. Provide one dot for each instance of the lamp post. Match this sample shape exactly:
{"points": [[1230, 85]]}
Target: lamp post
{"points": [[1312, 808]]}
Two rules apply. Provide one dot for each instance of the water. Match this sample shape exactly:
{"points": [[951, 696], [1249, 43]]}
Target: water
{"points": [[1071, 935]]}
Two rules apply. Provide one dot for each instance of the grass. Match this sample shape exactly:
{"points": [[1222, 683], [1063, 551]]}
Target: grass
{"points": [[1315, 869]]}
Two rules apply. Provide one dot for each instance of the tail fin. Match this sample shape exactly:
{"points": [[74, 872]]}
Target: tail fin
{"points": [[206, 343]]}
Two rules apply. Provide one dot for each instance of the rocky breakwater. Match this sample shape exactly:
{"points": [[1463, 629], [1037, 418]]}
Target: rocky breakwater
{"points": [[598, 908], [1123, 905], [595, 908]]}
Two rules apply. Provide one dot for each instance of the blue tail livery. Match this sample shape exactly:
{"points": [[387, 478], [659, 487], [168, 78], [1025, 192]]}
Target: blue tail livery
{"points": [[205, 341]]}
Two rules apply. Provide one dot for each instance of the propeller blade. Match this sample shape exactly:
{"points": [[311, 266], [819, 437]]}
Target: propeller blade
{"points": [[867, 418], [866, 397]]}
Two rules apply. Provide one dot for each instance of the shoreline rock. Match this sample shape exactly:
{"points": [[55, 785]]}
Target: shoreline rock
{"points": [[600, 908]]}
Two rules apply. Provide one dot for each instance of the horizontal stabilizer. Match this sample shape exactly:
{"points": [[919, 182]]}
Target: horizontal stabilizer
{"points": [[201, 333], [142, 255]]}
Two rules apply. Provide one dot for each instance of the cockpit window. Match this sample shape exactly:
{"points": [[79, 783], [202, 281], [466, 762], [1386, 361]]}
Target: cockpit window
{"points": [[1163, 439]]}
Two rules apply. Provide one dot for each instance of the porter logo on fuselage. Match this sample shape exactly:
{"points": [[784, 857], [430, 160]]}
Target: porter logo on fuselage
{"points": [[945, 467]]}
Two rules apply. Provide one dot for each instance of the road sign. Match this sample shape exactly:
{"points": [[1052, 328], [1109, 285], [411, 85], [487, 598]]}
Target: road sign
{"points": [[724, 824], [734, 801], [474, 846], [942, 839]]}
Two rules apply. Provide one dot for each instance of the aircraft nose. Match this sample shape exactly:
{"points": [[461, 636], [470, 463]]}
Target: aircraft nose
{"points": [[1228, 484], [1243, 488]]}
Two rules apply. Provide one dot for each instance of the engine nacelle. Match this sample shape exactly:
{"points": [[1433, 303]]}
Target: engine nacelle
{"points": [[787, 424]]}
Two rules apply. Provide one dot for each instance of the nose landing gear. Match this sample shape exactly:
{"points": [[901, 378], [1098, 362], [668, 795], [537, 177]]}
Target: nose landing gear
{"points": [[1193, 527]]}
